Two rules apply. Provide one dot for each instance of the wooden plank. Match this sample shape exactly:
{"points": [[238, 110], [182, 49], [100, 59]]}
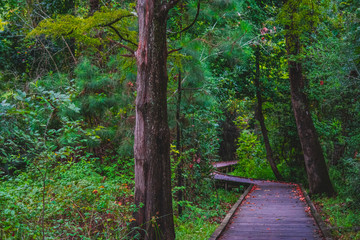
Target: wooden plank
{"points": [[271, 211], [224, 164], [324, 229], [272, 238], [229, 215]]}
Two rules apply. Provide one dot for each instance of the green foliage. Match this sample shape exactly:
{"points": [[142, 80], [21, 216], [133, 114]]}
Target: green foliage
{"points": [[38, 135], [304, 15], [86, 30], [22, 58], [347, 179], [199, 150], [200, 219], [67, 108], [333, 91], [27, 121], [250, 152], [2, 24], [78, 203], [252, 157], [342, 219], [106, 104], [194, 229]]}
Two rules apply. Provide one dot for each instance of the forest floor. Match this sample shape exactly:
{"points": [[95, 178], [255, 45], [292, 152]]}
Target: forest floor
{"points": [[200, 219], [340, 217]]}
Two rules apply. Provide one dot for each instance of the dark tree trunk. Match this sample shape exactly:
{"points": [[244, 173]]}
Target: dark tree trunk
{"points": [[94, 6], [337, 153], [229, 136], [318, 177], [152, 137], [180, 180], [179, 170], [260, 117]]}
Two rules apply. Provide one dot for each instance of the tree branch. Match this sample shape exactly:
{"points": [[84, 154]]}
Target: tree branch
{"points": [[193, 22], [128, 55], [174, 50], [121, 37], [110, 25], [115, 21], [43, 45], [72, 55], [123, 46], [72, 30]]}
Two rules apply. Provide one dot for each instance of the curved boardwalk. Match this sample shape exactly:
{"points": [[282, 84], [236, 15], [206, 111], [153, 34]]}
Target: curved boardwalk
{"points": [[271, 211]]}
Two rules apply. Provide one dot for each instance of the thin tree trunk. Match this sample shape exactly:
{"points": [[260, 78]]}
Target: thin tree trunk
{"points": [[179, 170], [152, 136], [318, 177], [260, 116], [178, 147], [94, 6], [229, 136]]}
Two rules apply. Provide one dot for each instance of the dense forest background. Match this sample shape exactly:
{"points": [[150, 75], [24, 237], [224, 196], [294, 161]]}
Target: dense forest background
{"points": [[67, 110]]}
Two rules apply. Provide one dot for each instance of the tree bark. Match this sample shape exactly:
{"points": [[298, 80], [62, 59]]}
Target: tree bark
{"points": [[260, 117], [180, 180], [179, 170], [94, 6], [229, 136], [152, 137], [318, 177]]}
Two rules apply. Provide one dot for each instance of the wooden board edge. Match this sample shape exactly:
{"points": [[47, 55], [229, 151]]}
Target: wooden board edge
{"points": [[322, 226], [229, 215]]}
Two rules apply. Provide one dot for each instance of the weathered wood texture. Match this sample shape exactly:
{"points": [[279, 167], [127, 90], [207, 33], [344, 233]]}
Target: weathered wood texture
{"points": [[224, 164], [225, 167], [272, 210], [230, 214], [225, 177], [324, 228]]}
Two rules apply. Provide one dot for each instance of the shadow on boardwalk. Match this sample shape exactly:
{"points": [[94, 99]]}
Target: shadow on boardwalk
{"points": [[270, 211]]}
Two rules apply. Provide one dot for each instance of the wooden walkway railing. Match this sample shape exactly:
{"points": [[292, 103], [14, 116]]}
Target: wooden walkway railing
{"points": [[269, 211]]}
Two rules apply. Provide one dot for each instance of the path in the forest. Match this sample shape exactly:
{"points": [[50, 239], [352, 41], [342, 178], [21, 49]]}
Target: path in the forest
{"points": [[270, 211]]}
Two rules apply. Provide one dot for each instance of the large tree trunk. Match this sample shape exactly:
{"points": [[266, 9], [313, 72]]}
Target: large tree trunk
{"points": [[152, 137], [260, 117], [318, 177]]}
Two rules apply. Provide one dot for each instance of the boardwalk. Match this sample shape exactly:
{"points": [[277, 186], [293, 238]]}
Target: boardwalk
{"points": [[271, 210]]}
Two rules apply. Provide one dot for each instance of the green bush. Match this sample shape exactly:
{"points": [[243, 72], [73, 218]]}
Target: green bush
{"points": [[252, 157], [78, 202], [340, 215], [200, 219]]}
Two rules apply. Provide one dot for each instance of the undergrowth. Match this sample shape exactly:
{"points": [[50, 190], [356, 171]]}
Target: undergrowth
{"points": [[79, 204], [341, 218], [200, 220], [342, 213]]}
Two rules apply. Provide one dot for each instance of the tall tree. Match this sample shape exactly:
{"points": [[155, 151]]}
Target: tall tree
{"points": [[318, 177], [152, 136], [260, 117], [179, 170]]}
